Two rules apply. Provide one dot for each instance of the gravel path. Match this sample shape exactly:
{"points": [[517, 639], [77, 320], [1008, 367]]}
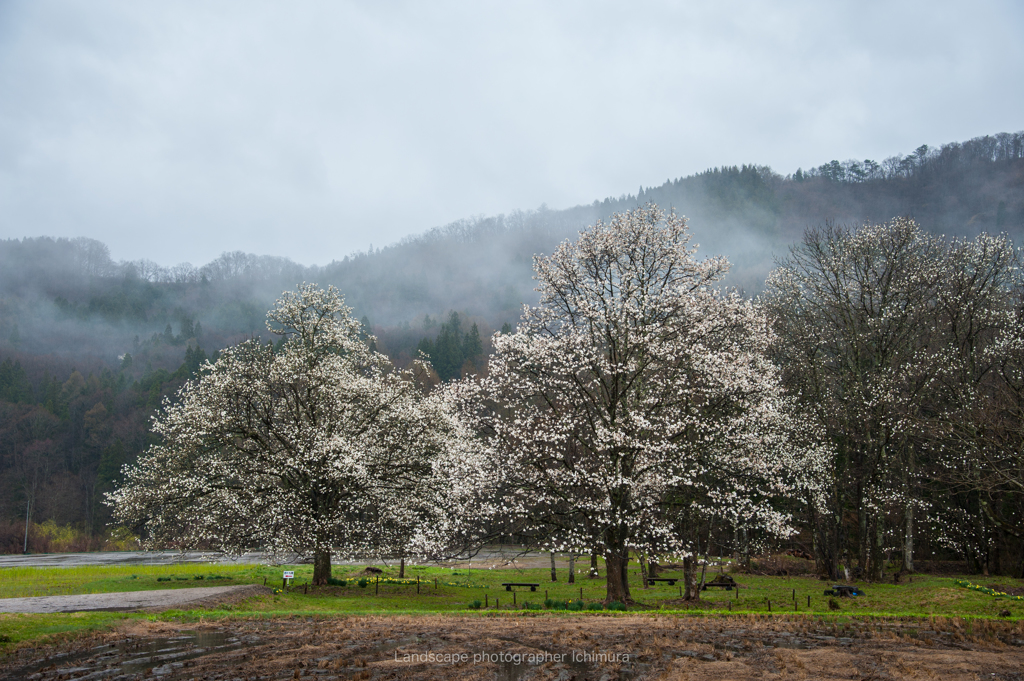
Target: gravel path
{"points": [[129, 600]]}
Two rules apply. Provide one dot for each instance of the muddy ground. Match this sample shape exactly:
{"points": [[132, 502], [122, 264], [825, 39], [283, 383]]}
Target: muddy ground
{"points": [[538, 647]]}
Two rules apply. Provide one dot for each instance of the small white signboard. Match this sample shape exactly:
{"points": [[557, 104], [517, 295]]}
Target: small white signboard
{"points": [[289, 574]]}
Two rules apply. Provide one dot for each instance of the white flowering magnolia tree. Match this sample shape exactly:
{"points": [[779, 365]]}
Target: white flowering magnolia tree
{"points": [[894, 339], [313, 446], [635, 394]]}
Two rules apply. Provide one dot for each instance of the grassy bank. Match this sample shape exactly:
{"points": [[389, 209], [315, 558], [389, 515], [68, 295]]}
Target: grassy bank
{"points": [[476, 591]]}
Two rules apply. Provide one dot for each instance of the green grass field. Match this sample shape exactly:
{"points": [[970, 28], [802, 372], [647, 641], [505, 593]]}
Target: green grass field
{"points": [[456, 590]]}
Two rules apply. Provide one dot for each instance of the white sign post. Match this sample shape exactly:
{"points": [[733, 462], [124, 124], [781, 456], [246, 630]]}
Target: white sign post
{"points": [[288, 574]]}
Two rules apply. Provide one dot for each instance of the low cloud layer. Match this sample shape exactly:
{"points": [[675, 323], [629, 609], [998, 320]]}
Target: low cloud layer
{"points": [[177, 131]]}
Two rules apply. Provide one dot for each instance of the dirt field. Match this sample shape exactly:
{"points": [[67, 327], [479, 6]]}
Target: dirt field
{"points": [[542, 647]]}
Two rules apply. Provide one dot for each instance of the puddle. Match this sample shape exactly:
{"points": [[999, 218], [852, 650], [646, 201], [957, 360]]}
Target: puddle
{"points": [[164, 656]]}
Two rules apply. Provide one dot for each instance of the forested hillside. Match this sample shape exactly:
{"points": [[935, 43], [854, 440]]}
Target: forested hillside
{"points": [[89, 346]]}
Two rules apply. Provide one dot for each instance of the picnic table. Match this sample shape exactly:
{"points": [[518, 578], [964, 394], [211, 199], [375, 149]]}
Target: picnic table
{"points": [[508, 585], [844, 591], [671, 580], [722, 582]]}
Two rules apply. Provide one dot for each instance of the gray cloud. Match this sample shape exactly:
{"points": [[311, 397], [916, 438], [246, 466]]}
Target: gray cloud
{"points": [[175, 131]]}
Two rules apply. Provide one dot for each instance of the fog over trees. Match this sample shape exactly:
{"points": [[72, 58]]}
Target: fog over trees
{"points": [[89, 347]]}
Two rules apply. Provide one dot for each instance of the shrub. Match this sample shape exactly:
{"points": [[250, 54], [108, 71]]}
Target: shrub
{"points": [[199, 577], [833, 604], [596, 605], [531, 606], [331, 581], [363, 581], [475, 605], [615, 605], [575, 606], [163, 579]]}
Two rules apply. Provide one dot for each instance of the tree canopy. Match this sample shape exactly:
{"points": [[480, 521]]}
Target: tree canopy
{"points": [[310, 447], [635, 392]]}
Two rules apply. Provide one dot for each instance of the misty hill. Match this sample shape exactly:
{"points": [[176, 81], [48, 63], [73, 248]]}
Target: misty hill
{"points": [[89, 346], [68, 297]]}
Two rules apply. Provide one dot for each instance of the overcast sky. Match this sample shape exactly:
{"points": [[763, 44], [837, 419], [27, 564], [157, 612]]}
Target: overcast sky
{"points": [[177, 130]]}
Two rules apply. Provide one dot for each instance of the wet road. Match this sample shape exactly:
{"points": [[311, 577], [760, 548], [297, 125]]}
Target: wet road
{"points": [[122, 601], [128, 558], [496, 556]]}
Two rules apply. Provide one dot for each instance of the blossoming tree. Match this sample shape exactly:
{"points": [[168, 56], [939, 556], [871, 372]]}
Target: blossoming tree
{"points": [[635, 392], [314, 446], [896, 340]]}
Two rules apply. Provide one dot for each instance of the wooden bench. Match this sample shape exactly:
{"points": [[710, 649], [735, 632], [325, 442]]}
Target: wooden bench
{"points": [[671, 580], [508, 585]]}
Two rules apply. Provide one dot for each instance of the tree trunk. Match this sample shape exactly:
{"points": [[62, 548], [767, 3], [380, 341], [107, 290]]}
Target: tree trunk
{"points": [[616, 564], [554, 576], [321, 567], [690, 592], [908, 532], [28, 515], [979, 530], [862, 525], [908, 540], [824, 534], [746, 550], [643, 569], [593, 566], [401, 569], [572, 567], [877, 557]]}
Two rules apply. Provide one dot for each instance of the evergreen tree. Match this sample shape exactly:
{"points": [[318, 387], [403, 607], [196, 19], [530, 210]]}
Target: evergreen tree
{"points": [[14, 384], [426, 346], [194, 360], [447, 358], [472, 346]]}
